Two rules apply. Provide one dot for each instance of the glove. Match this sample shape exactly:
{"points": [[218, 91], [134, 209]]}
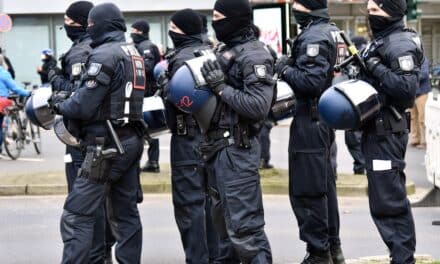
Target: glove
{"points": [[372, 63], [214, 76], [56, 99], [54, 73], [281, 65]]}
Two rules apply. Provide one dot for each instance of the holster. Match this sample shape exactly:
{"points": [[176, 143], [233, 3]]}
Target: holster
{"points": [[387, 123], [208, 150], [186, 126], [97, 163]]}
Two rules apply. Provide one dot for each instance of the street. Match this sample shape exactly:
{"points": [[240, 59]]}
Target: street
{"points": [[29, 228]]}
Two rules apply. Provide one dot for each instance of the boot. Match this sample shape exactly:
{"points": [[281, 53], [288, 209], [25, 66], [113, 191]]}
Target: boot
{"points": [[264, 164], [337, 255], [314, 258], [151, 166]]}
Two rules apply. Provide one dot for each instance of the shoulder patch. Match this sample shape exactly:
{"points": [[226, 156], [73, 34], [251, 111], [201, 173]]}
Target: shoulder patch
{"points": [[76, 69], [406, 63], [91, 84], [312, 50], [260, 71], [94, 69], [147, 51]]}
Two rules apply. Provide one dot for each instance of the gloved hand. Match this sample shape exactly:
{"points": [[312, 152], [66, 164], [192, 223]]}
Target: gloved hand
{"points": [[372, 63], [54, 73], [56, 99], [214, 76], [281, 65], [162, 84]]}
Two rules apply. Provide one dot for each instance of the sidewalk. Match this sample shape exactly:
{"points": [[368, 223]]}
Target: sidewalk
{"points": [[274, 181]]}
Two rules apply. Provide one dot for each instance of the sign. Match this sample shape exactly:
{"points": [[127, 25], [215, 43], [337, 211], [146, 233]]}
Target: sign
{"points": [[5, 23], [270, 21]]}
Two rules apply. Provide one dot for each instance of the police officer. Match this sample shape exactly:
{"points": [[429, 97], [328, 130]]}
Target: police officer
{"points": [[393, 60], [188, 179], [312, 186], [68, 79], [106, 176], [140, 31], [241, 78]]}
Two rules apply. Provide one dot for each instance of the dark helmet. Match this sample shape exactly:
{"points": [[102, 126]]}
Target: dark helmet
{"points": [[285, 103], [154, 115], [349, 104], [37, 108], [160, 68]]}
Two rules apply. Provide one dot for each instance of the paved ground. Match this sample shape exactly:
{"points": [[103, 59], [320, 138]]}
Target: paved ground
{"points": [[29, 230], [53, 151]]}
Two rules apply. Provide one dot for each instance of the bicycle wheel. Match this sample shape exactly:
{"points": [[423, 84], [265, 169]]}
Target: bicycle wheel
{"points": [[36, 137], [12, 141]]}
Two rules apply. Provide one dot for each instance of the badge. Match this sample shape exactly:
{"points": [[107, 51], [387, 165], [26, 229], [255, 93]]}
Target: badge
{"points": [[76, 69], [406, 63], [260, 71], [147, 52], [91, 84], [312, 50], [94, 69]]}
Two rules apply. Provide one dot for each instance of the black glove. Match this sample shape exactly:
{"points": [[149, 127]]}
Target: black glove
{"points": [[372, 63], [281, 65], [56, 99], [214, 76], [54, 73]]}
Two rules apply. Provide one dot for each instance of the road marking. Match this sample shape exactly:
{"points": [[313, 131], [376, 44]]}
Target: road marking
{"points": [[30, 159]]}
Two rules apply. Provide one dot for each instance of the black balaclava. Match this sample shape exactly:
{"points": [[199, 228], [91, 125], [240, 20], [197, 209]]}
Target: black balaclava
{"points": [[106, 18], [78, 12], [190, 23], [143, 26], [238, 15], [395, 8], [319, 9]]}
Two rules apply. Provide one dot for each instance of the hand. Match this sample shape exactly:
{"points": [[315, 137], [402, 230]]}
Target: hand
{"points": [[281, 65], [214, 76], [372, 63], [54, 73], [57, 98], [162, 79]]}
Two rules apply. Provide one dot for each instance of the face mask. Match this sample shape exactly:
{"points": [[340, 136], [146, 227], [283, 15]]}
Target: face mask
{"points": [[178, 39], [137, 38], [302, 18], [227, 28], [95, 32], [74, 33], [379, 23]]}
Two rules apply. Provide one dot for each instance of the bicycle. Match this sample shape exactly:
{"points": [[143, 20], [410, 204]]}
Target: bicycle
{"points": [[18, 131]]}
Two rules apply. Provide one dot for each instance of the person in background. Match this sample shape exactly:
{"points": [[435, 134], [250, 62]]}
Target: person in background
{"points": [[418, 110], [8, 64], [49, 62], [7, 86]]}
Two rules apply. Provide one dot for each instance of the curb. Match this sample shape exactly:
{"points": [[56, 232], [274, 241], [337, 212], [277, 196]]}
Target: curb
{"points": [[269, 186]]}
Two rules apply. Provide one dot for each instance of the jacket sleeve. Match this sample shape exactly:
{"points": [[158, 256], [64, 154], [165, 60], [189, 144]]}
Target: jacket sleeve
{"points": [[12, 86], [255, 99], [61, 83], [85, 102], [308, 75]]}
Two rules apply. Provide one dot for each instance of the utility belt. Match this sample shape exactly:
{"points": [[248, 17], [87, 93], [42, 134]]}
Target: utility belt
{"points": [[308, 107], [219, 139], [388, 123], [185, 126], [92, 133]]}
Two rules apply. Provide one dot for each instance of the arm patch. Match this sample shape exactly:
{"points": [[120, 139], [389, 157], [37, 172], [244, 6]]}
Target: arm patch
{"points": [[406, 63]]}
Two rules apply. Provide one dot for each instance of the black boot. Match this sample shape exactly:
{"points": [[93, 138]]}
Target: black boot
{"points": [[151, 166], [264, 164], [314, 258], [337, 255]]}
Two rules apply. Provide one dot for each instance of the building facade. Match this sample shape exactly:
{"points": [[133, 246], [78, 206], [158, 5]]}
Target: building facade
{"points": [[38, 25]]}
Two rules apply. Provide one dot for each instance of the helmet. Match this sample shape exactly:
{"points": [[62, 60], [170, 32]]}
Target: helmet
{"points": [[154, 115], [159, 68], [37, 109], [47, 52], [204, 117], [349, 104], [62, 133], [183, 93], [284, 106]]}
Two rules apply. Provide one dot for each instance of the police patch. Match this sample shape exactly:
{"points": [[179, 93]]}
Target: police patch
{"points": [[94, 69], [260, 71], [312, 50], [406, 63], [91, 84], [76, 69]]}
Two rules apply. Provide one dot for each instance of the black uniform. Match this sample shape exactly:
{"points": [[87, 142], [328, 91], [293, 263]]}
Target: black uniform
{"points": [[394, 59], [312, 186], [113, 68], [48, 63]]}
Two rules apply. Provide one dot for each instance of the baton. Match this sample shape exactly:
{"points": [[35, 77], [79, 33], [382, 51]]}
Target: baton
{"points": [[115, 137]]}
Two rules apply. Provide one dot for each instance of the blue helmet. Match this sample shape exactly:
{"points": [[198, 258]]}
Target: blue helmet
{"points": [[349, 104], [184, 93], [47, 52], [159, 69], [154, 115], [37, 108]]}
